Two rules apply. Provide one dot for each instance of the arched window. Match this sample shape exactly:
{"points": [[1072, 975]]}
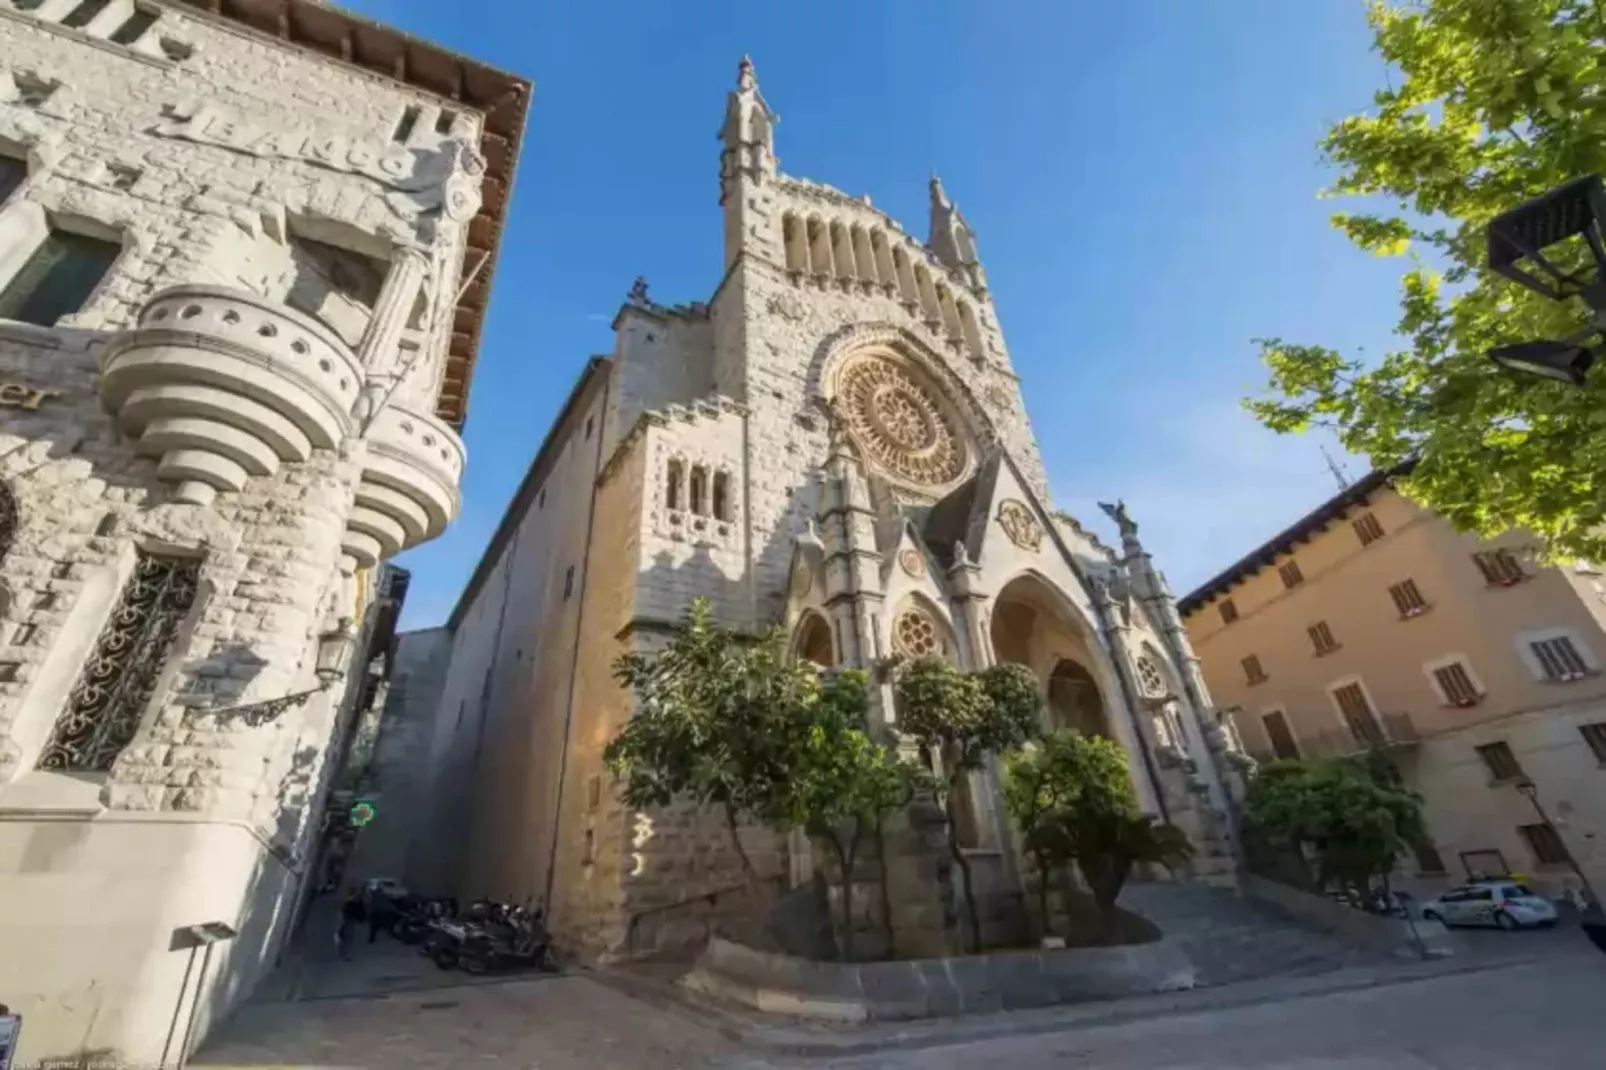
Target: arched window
{"points": [[950, 315], [797, 249], [722, 496], [928, 294], [675, 486], [813, 641], [819, 247], [967, 324], [842, 251], [906, 276], [884, 269], [699, 490], [862, 255]]}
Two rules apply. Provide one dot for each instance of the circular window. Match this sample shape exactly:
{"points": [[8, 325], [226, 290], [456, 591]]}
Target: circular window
{"points": [[899, 423], [916, 635]]}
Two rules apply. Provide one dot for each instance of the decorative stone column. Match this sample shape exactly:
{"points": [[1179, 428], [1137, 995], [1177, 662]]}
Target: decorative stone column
{"points": [[379, 349]]}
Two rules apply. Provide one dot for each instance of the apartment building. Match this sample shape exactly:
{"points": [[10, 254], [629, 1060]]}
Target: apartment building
{"points": [[1372, 622]]}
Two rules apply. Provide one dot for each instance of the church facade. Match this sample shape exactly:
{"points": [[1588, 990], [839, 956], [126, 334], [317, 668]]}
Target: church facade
{"points": [[835, 441], [244, 256]]}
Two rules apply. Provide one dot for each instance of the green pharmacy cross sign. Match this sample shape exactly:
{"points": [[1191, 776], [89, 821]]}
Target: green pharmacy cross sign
{"points": [[362, 813]]}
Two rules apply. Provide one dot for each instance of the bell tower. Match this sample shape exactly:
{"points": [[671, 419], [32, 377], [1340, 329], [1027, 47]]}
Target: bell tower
{"points": [[952, 239], [747, 161]]}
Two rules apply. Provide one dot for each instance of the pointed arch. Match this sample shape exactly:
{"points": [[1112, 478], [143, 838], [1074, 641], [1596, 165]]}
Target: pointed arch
{"points": [[812, 640], [697, 493], [886, 274], [819, 239], [950, 315], [968, 327], [721, 503], [906, 276], [918, 629], [863, 257], [841, 250], [928, 294], [675, 484]]}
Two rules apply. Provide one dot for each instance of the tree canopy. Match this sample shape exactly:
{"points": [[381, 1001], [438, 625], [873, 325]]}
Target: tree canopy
{"points": [[1486, 104]]}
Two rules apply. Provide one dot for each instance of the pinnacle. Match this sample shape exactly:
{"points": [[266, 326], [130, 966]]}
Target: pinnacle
{"points": [[745, 76]]}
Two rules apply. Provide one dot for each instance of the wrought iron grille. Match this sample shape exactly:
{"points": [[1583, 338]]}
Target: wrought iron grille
{"points": [[104, 710]]}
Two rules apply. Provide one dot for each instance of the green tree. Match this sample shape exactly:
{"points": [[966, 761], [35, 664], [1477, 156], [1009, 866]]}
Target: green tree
{"points": [[1353, 816], [1071, 797], [716, 722], [1486, 104], [841, 783], [960, 718]]}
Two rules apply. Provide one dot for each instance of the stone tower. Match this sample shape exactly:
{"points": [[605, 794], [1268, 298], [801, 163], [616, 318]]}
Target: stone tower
{"points": [[240, 295], [835, 441]]}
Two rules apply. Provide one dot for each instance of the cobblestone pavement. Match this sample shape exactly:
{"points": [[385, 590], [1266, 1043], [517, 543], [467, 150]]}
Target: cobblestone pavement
{"points": [[554, 1023], [1545, 1016]]}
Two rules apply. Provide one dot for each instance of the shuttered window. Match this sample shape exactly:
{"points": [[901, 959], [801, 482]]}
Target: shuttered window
{"points": [[1407, 599], [1457, 685], [1499, 567], [1321, 638], [1358, 715], [1367, 529], [1559, 659], [1279, 734]]}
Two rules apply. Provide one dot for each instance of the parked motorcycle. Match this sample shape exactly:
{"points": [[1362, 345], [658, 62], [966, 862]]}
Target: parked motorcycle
{"points": [[527, 945]]}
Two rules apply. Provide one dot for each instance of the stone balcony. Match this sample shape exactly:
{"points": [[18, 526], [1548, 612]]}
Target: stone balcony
{"points": [[222, 385], [408, 492]]}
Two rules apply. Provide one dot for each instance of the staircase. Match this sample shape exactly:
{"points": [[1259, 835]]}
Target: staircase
{"points": [[1234, 938]]}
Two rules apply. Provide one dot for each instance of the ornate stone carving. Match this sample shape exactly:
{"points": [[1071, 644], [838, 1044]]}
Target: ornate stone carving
{"points": [[212, 124], [899, 424], [912, 562], [787, 306], [1150, 679], [1117, 513], [916, 635], [997, 396], [1020, 525], [802, 577], [460, 193]]}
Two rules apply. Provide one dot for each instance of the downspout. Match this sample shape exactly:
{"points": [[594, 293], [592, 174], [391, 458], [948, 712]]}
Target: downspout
{"points": [[574, 667]]}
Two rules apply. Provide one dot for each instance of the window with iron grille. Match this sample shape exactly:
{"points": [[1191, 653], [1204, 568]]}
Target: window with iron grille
{"points": [[1595, 736], [1499, 567], [1279, 734], [1501, 762], [1456, 683], [1229, 612], [1546, 845], [1290, 573], [1367, 529], [1358, 715], [1559, 659], [1407, 599], [1321, 637], [1253, 673]]}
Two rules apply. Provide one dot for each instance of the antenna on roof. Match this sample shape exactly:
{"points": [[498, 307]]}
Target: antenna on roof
{"points": [[1339, 475]]}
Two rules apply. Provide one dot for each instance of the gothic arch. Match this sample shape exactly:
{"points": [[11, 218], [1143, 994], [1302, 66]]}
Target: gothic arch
{"points": [[812, 640], [917, 628]]}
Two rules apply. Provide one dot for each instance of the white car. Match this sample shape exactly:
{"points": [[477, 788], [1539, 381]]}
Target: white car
{"points": [[1505, 904]]}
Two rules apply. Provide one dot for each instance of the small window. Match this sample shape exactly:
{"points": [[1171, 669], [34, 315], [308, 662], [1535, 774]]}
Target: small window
{"points": [[444, 121], [1595, 736], [1558, 659], [1290, 573], [134, 27], [1229, 611], [1499, 568], [1500, 761], [84, 13], [1280, 735], [674, 489], [1546, 845], [590, 421], [588, 854], [1428, 859], [1407, 599], [699, 490], [721, 496], [1367, 529], [58, 278], [1321, 637], [13, 173], [1456, 683], [1253, 673], [406, 124], [568, 583]]}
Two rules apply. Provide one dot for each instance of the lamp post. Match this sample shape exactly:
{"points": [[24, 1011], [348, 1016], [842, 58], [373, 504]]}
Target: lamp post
{"points": [[1518, 243], [334, 655], [1593, 920]]}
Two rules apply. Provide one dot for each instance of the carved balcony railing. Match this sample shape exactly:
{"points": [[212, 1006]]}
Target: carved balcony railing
{"points": [[408, 492], [223, 385]]}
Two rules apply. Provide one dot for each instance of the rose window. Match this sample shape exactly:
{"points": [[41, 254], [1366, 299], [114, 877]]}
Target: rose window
{"points": [[915, 635], [899, 424]]}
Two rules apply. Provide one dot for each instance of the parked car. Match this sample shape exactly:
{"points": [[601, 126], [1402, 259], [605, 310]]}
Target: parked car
{"points": [[1505, 904]]}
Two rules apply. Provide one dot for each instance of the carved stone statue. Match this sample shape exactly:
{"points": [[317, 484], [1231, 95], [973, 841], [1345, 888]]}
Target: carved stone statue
{"points": [[638, 291], [961, 555], [1117, 513]]}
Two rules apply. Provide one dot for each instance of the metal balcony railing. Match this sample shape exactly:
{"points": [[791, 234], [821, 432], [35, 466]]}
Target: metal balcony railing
{"points": [[1384, 731]]}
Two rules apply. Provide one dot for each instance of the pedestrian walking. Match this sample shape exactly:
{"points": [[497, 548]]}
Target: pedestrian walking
{"points": [[351, 916]]}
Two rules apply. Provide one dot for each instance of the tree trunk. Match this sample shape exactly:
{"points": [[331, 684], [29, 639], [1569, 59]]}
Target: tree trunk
{"points": [[844, 865], [748, 871], [971, 914], [886, 894], [1042, 893]]}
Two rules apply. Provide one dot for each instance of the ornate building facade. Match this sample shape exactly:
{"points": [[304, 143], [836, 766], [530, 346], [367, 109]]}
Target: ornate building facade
{"points": [[835, 440], [245, 248]]}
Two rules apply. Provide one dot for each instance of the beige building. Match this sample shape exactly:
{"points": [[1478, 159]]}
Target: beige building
{"points": [[245, 251], [1371, 621], [835, 441]]}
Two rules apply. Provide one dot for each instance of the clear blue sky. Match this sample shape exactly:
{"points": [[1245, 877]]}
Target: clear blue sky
{"points": [[1142, 177]]}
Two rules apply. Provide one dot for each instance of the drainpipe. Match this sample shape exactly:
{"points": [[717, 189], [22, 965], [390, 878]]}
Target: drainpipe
{"points": [[574, 669]]}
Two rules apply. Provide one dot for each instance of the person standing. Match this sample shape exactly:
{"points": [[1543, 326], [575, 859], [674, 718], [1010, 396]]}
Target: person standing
{"points": [[351, 916]]}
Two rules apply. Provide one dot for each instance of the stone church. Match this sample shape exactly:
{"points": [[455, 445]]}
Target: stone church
{"points": [[245, 250], [835, 440]]}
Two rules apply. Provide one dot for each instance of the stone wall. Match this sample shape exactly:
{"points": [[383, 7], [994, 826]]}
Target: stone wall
{"points": [[203, 151]]}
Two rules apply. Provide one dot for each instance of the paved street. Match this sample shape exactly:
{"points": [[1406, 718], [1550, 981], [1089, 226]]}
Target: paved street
{"points": [[1538, 1016]]}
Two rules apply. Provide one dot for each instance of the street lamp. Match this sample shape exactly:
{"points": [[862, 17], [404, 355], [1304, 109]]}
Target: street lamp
{"points": [[1518, 241], [334, 655]]}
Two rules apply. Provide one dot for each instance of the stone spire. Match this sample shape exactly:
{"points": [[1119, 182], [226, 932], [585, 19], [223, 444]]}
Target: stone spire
{"points": [[748, 136], [951, 237]]}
